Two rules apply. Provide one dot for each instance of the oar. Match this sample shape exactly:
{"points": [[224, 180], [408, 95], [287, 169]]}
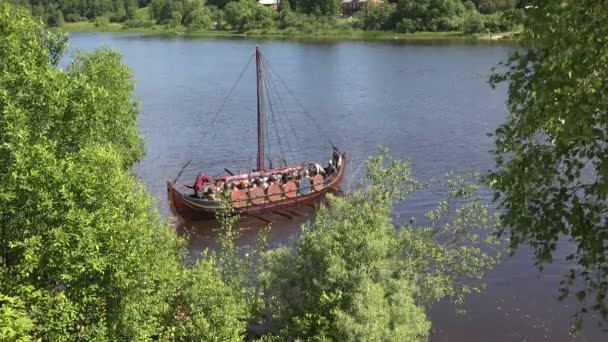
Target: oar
{"points": [[182, 170]]}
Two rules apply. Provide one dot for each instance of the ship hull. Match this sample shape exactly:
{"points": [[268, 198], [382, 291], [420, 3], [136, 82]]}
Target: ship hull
{"points": [[189, 207]]}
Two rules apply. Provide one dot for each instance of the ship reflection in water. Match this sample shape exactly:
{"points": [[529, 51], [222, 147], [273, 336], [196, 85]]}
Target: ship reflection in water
{"points": [[203, 234]]}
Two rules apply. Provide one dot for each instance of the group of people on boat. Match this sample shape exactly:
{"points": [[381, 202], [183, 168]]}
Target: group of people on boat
{"points": [[302, 177]]}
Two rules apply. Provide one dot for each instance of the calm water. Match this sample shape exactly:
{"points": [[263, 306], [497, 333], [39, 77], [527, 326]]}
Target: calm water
{"points": [[429, 103]]}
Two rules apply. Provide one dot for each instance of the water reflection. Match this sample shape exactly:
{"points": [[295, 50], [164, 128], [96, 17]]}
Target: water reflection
{"points": [[202, 234]]}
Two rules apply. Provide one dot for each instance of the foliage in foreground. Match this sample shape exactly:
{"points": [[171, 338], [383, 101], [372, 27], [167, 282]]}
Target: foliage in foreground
{"points": [[354, 275], [551, 176], [84, 254]]}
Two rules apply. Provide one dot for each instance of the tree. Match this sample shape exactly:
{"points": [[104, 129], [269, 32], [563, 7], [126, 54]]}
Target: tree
{"points": [[501, 22], [199, 19], [491, 6], [430, 15], [551, 175], [100, 8], [15, 325], [317, 7], [54, 17], [161, 10], [473, 23], [174, 20], [246, 15], [83, 252], [80, 10], [131, 10], [119, 12], [219, 3], [173, 12], [377, 16], [354, 275]]}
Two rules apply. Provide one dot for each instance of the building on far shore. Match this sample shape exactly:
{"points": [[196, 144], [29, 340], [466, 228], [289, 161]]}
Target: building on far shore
{"points": [[350, 7], [274, 4]]}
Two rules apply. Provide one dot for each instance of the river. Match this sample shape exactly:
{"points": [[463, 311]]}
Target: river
{"points": [[428, 102]]}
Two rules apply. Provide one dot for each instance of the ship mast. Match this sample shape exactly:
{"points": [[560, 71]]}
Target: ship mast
{"points": [[258, 67]]}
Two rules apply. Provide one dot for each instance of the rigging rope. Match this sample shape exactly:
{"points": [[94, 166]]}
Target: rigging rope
{"points": [[298, 102], [275, 92], [225, 100], [272, 115], [271, 89]]}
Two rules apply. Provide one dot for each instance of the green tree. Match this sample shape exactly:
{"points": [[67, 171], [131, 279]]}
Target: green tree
{"points": [[173, 12], [199, 19], [54, 17], [246, 15], [431, 15], [551, 175], [317, 7], [15, 325], [161, 10], [473, 23], [131, 10], [119, 12], [377, 16], [491, 6], [100, 8], [174, 20], [220, 3], [84, 253], [500, 22], [354, 275]]}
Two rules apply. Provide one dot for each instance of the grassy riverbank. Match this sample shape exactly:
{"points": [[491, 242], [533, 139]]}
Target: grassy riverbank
{"points": [[287, 34]]}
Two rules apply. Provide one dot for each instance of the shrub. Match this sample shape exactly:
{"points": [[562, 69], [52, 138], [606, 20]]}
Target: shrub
{"points": [[102, 21], [491, 6], [498, 22], [199, 19], [142, 14], [74, 17], [354, 276], [119, 15], [15, 325], [430, 15], [453, 23], [406, 26], [218, 19], [135, 23], [55, 18], [247, 15], [376, 17], [473, 23], [174, 20]]}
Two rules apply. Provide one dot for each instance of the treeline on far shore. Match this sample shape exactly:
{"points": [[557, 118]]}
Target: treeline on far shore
{"points": [[288, 17]]}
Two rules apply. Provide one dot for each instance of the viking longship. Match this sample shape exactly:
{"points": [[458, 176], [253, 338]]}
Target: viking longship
{"points": [[260, 190]]}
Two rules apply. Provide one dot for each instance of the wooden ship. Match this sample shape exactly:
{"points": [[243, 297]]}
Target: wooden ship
{"points": [[263, 190]]}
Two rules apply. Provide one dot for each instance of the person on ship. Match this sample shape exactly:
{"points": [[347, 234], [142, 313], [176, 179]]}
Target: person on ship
{"points": [[337, 158], [319, 169], [211, 194], [331, 168], [199, 184]]}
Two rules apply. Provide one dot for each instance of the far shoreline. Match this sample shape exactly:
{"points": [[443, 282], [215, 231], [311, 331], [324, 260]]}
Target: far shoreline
{"points": [[506, 37]]}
